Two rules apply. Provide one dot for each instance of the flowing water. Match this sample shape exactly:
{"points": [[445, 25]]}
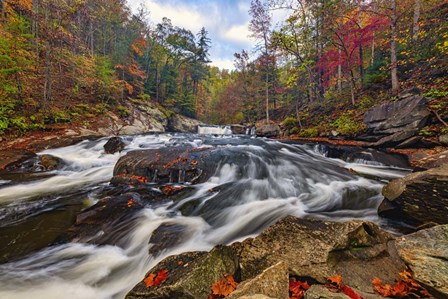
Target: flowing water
{"points": [[274, 180]]}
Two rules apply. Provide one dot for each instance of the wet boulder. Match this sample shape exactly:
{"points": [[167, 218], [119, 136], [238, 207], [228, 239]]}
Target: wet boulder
{"points": [[238, 129], [181, 164], [190, 275], [106, 222], [269, 130], [16, 159], [113, 145], [426, 253], [418, 198], [50, 162]]}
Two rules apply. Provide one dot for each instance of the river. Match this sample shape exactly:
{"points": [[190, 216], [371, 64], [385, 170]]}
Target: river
{"points": [[277, 179]]}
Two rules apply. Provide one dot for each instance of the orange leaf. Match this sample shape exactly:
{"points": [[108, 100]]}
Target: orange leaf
{"points": [[297, 288], [156, 280], [336, 281], [224, 286], [149, 281]]}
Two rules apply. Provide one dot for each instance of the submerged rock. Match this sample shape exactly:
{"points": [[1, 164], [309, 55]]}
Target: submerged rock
{"points": [[113, 145], [418, 198], [426, 253], [106, 221]]}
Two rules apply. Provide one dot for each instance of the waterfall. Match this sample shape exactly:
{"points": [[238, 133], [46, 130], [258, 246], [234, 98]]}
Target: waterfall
{"points": [[214, 130]]}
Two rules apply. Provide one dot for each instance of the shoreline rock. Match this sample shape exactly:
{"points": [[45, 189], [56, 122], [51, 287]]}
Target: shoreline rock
{"points": [[357, 250]]}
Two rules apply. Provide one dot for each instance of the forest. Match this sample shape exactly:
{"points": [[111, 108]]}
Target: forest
{"points": [[65, 61]]}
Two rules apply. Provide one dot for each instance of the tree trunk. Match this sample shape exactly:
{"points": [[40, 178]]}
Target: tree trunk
{"points": [[415, 24], [267, 95], [352, 87], [393, 49], [361, 66], [372, 58], [339, 72]]}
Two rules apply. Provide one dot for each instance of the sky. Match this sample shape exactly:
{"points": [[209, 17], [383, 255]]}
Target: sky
{"points": [[225, 20]]}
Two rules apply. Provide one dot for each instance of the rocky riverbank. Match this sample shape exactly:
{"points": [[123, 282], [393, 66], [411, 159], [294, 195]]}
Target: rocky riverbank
{"points": [[310, 251]]}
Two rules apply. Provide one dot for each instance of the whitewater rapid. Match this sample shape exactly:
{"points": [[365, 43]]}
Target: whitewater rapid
{"points": [[277, 180]]}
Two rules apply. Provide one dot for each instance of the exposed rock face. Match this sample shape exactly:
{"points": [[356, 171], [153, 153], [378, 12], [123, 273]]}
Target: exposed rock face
{"points": [[418, 198], [407, 113], [268, 131], [192, 278], [355, 250], [426, 253], [272, 282], [395, 139], [113, 145], [183, 124], [312, 249]]}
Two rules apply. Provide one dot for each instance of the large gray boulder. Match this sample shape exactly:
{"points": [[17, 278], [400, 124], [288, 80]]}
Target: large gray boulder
{"points": [[426, 253], [182, 124], [409, 112], [268, 131], [419, 198]]}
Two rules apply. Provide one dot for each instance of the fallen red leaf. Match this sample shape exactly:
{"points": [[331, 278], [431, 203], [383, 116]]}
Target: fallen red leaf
{"points": [[297, 288], [224, 286], [403, 288], [156, 280], [349, 292], [131, 202], [141, 179], [336, 285]]}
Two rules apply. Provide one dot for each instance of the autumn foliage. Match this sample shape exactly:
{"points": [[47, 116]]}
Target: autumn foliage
{"points": [[223, 287], [335, 284], [403, 288], [156, 279], [297, 288]]}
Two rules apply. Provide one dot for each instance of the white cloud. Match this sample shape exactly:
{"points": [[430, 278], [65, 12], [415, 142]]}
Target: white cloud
{"points": [[223, 64], [239, 34], [226, 22]]}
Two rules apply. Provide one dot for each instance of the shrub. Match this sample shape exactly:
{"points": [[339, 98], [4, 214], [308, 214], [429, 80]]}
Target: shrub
{"points": [[309, 133], [289, 123], [347, 125], [123, 111]]}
